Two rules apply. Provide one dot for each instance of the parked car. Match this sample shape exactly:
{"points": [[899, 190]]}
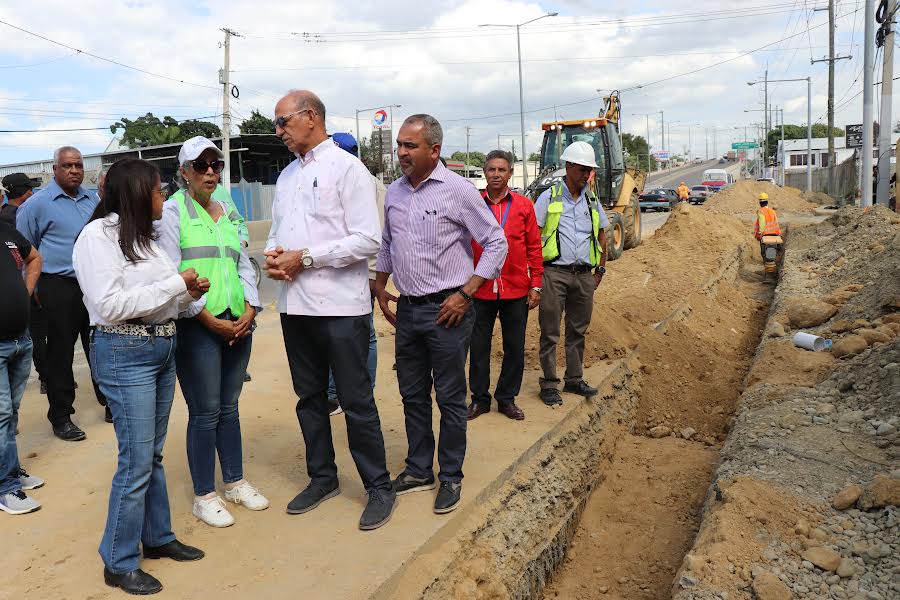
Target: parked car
{"points": [[700, 194], [659, 199]]}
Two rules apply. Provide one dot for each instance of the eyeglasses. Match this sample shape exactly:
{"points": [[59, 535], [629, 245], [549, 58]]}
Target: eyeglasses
{"points": [[281, 121], [201, 166]]}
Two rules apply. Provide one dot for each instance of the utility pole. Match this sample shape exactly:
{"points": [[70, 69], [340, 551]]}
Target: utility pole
{"points": [[468, 129], [225, 80], [887, 89], [868, 63], [765, 120], [830, 60], [662, 132]]}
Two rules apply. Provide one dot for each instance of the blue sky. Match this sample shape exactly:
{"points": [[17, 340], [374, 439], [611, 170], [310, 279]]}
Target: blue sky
{"points": [[428, 56]]}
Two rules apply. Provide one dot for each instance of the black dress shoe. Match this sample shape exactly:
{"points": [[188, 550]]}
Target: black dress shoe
{"points": [[107, 416], [550, 396], [247, 377], [310, 498], [379, 509], [68, 432], [174, 550], [581, 388], [476, 409], [448, 497], [134, 582]]}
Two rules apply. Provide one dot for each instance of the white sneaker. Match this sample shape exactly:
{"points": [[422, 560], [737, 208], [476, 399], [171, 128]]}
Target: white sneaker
{"points": [[212, 511], [29, 482], [247, 495], [17, 503]]}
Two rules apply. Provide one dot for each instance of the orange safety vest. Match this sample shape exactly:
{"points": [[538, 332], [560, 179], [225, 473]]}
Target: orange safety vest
{"points": [[683, 191], [766, 223]]}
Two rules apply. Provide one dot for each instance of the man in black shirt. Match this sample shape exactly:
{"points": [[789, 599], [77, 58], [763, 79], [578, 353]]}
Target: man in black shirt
{"points": [[15, 363], [18, 188]]}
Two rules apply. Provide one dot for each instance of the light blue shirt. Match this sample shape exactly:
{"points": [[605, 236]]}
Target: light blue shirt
{"points": [[575, 227], [51, 220]]}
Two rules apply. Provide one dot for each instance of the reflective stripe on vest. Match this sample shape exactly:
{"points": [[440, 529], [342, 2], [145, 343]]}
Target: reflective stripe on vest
{"points": [[768, 222], [550, 230], [214, 250]]}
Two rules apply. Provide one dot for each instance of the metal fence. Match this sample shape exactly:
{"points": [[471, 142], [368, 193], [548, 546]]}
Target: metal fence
{"points": [[253, 200], [846, 179]]}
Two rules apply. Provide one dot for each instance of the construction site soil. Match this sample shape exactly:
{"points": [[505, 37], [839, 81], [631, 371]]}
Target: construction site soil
{"points": [[742, 198], [708, 466]]}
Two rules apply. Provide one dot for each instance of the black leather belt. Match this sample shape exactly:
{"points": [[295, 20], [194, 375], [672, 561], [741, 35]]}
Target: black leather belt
{"points": [[572, 268], [435, 298]]}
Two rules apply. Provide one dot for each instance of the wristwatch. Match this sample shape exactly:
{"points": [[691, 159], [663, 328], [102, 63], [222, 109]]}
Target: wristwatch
{"points": [[306, 258], [600, 270], [536, 289]]}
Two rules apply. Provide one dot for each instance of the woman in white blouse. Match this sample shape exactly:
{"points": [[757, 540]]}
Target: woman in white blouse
{"points": [[133, 293]]}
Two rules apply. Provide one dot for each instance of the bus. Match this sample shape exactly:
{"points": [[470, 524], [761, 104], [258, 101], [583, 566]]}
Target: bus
{"points": [[716, 179]]}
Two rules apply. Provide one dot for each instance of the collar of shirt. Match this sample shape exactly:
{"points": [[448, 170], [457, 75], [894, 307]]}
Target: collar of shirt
{"points": [[567, 194], [439, 173], [55, 191], [506, 194], [314, 153]]}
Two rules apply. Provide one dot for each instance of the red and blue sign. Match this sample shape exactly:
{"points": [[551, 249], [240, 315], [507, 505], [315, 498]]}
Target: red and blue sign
{"points": [[379, 121]]}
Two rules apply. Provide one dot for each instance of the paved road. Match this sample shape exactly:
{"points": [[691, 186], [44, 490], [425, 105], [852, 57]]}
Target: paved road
{"points": [[689, 175]]}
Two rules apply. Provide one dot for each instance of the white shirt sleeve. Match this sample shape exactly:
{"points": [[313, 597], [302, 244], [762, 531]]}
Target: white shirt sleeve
{"points": [[357, 194], [99, 268], [169, 230]]}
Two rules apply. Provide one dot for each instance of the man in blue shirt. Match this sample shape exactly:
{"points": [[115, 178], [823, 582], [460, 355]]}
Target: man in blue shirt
{"points": [[51, 221], [574, 241]]}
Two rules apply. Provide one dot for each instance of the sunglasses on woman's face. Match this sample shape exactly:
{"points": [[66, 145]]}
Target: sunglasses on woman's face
{"points": [[201, 166]]}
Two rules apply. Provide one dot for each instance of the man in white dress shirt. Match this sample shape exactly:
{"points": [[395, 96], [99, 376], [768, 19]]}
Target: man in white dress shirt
{"points": [[325, 227]]}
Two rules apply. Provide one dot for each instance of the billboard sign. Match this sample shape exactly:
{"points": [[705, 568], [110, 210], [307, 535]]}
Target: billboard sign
{"points": [[661, 154]]}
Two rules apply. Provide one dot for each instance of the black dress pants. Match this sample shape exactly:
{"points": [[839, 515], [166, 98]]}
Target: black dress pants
{"points": [[313, 344], [513, 320], [66, 319], [37, 328], [433, 356]]}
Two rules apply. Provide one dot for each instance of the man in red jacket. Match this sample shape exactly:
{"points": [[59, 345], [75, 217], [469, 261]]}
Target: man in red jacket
{"points": [[511, 296]]}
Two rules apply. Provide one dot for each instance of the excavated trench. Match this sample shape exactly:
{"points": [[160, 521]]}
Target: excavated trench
{"points": [[608, 503]]}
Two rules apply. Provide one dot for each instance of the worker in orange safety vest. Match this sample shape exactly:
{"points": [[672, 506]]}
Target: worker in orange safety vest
{"points": [[684, 193], [766, 222]]}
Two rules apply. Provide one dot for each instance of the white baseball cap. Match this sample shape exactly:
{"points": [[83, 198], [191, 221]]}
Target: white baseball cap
{"points": [[194, 147]]}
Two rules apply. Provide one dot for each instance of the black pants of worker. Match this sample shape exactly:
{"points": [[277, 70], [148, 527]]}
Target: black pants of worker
{"points": [[37, 328], [513, 320], [66, 318], [314, 344], [431, 355]]}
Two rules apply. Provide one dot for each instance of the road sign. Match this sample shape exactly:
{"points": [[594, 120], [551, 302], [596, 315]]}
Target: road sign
{"points": [[380, 120], [744, 145], [853, 136], [661, 154]]}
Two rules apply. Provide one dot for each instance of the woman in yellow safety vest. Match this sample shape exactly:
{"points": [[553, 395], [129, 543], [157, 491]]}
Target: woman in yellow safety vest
{"points": [[214, 333]]}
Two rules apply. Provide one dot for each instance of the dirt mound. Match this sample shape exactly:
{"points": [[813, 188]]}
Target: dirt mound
{"points": [[743, 198], [638, 293], [817, 197]]}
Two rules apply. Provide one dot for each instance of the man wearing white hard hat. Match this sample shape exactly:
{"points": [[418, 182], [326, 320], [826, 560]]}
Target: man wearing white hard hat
{"points": [[572, 223]]}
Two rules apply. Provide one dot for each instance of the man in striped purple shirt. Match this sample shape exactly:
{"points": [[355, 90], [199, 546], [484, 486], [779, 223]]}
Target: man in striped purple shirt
{"points": [[431, 216]]}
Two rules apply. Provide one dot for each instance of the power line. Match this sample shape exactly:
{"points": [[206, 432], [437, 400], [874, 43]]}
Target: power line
{"points": [[108, 60], [46, 62], [82, 128]]}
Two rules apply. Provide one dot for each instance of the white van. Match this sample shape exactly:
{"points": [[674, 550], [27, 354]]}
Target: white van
{"points": [[717, 178]]}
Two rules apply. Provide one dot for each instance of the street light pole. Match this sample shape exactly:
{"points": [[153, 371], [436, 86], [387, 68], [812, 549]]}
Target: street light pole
{"points": [[808, 81], [521, 87]]}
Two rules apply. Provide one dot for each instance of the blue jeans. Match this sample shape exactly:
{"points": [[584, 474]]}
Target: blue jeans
{"points": [[137, 376], [371, 361], [211, 375], [15, 366]]}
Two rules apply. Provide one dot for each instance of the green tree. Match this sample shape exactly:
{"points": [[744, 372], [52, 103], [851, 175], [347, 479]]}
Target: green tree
{"points": [[257, 123], [636, 151], [534, 157], [193, 127], [150, 130], [476, 159]]}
